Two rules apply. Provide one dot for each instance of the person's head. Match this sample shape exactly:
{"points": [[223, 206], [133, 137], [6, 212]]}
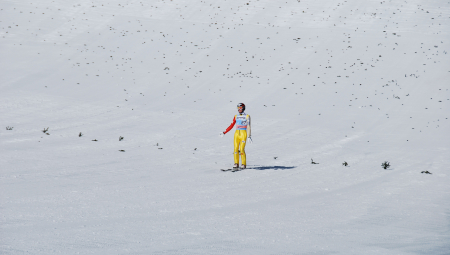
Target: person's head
{"points": [[241, 107]]}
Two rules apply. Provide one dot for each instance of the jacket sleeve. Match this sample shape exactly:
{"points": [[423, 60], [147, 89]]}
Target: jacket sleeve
{"points": [[231, 126], [249, 127]]}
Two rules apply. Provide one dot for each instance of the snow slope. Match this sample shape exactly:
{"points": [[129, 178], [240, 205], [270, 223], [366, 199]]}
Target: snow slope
{"points": [[329, 81]]}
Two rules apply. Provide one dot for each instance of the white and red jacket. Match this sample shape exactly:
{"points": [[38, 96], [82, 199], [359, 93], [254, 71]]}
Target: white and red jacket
{"points": [[242, 122]]}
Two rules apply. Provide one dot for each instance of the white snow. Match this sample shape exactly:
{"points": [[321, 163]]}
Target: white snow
{"points": [[329, 81]]}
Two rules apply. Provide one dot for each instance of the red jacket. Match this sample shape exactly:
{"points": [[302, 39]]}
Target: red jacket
{"points": [[231, 126]]}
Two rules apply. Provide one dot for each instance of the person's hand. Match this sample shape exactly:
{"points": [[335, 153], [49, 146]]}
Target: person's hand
{"points": [[221, 134]]}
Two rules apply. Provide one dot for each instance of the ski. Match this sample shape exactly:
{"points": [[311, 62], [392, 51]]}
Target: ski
{"points": [[231, 169]]}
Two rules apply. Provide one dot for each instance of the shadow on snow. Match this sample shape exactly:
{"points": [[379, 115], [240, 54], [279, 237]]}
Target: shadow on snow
{"points": [[272, 167]]}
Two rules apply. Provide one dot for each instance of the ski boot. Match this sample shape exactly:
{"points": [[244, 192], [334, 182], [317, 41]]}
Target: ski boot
{"points": [[243, 167], [236, 167]]}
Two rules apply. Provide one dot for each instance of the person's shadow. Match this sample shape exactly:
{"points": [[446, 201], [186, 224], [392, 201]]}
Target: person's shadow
{"points": [[271, 167]]}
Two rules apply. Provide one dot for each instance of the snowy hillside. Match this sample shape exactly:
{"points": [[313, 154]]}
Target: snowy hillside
{"points": [[330, 81]]}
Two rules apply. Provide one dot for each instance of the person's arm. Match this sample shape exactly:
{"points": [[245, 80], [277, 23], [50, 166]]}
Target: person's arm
{"points": [[249, 129], [231, 126]]}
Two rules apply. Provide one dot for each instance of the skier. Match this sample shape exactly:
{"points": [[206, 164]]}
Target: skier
{"points": [[243, 131]]}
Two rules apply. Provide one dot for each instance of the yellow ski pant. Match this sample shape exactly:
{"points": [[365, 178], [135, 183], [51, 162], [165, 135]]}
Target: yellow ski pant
{"points": [[240, 138]]}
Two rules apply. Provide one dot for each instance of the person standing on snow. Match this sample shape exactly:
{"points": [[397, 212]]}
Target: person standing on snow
{"points": [[243, 130]]}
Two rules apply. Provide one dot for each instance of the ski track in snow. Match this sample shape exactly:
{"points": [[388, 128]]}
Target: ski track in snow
{"points": [[357, 81]]}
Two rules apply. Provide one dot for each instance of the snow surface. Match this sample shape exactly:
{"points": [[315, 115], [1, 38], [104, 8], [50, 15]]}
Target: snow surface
{"points": [[330, 81]]}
